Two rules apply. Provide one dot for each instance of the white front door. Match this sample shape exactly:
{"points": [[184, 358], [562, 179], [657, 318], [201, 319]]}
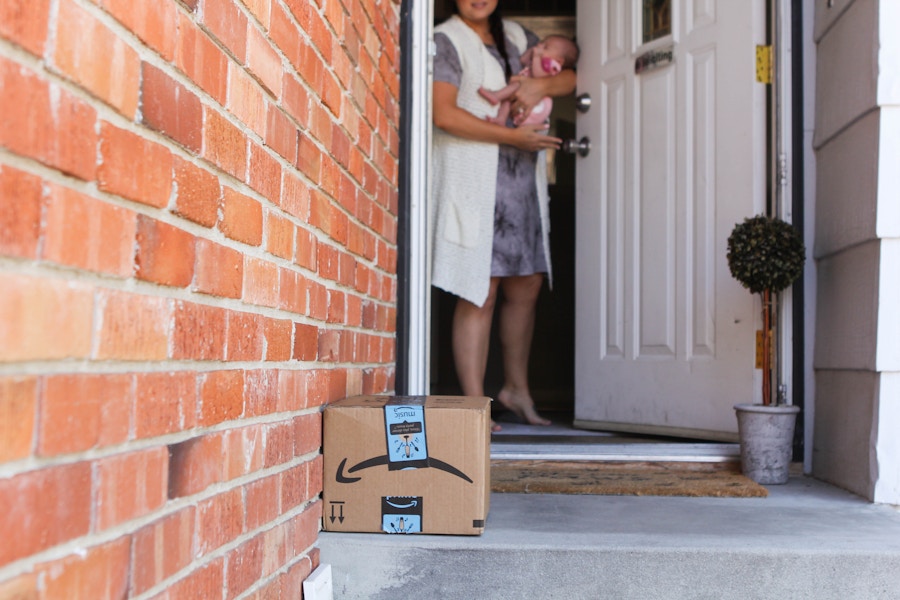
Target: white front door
{"points": [[664, 335]]}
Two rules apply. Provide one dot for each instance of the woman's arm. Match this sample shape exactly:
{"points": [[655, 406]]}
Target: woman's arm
{"points": [[532, 89], [459, 122]]}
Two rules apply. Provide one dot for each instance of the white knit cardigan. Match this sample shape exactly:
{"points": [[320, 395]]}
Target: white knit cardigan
{"points": [[464, 175]]}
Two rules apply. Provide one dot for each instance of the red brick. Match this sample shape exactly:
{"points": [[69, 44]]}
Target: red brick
{"points": [[44, 319], [293, 486], [22, 587], [219, 270], [318, 301], [279, 444], [243, 450], [198, 332], [94, 57], [153, 22], [242, 218], [246, 100], [147, 180], [265, 173], [292, 390], [337, 307], [81, 411], [307, 433], [354, 311], [161, 549], [194, 465], [244, 565], [132, 327], [198, 193], [104, 240], [315, 475], [229, 24], [170, 108], [20, 212], [264, 63], [98, 572], [131, 485], [292, 291], [260, 282], [164, 254], [221, 396], [262, 501], [245, 337], [44, 508], [220, 519], [224, 145], [284, 34], [205, 582], [307, 249], [309, 158], [281, 134], [18, 406], [296, 100], [295, 196], [340, 145], [201, 60], [261, 392], [25, 22], [46, 123], [328, 264], [261, 9], [329, 344], [306, 342], [279, 239], [164, 403], [317, 388], [305, 528], [275, 553], [278, 339]]}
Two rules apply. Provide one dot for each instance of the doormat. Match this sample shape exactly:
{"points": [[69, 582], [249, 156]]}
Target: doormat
{"points": [[622, 479]]}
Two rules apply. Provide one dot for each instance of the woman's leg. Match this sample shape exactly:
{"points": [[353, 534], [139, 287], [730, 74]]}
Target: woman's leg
{"points": [[471, 341], [517, 310]]}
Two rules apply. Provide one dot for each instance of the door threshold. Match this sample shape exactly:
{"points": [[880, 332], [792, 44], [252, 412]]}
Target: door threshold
{"points": [[693, 452], [563, 442]]}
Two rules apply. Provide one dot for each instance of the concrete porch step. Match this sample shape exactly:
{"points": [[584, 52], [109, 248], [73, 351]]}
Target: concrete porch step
{"points": [[806, 540]]}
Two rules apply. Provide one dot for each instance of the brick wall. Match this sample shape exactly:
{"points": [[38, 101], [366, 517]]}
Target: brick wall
{"points": [[197, 251]]}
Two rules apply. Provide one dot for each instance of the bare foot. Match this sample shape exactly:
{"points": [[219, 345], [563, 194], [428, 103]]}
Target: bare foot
{"points": [[495, 427], [522, 406]]}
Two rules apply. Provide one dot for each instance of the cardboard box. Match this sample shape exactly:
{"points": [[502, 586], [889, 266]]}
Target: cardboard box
{"points": [[407, 464]]}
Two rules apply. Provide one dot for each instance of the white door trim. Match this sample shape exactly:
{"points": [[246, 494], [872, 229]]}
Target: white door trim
{"points": [[419, 340]]}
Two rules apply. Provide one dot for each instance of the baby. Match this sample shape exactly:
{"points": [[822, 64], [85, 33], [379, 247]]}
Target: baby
{"points": [[548, 57]]}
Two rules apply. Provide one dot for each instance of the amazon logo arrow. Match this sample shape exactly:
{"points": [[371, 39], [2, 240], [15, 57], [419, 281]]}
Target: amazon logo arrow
{"points": [[341, 477]]}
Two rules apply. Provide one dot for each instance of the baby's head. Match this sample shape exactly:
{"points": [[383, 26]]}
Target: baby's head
{"points": [[553, 54]]}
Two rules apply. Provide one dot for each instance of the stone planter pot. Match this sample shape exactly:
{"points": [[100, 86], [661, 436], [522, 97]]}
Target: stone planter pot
{"points": [[766, 436]]}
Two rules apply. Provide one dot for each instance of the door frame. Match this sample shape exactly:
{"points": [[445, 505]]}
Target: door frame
{"points": [[414, 273]]}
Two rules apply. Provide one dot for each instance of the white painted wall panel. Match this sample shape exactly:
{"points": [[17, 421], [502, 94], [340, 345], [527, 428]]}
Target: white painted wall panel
{"points": [[847, 70], [847, 309], [847, 187]]}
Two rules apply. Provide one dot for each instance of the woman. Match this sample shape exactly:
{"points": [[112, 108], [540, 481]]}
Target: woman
{"points": [[490, 212]]}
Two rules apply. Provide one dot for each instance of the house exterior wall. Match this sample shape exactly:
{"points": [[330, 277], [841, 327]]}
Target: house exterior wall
{"points": [[198, 225], [855, 351]]}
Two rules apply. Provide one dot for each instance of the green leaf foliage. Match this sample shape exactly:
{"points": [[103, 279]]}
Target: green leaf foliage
{"points": [[765, 253]]}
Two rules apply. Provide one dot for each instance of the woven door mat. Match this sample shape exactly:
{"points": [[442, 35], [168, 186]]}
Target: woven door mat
{"points": [[622, 479]]}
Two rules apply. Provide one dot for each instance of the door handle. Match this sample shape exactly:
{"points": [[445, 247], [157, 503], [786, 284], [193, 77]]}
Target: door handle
{"points": [[583, 103], [580, 147]]}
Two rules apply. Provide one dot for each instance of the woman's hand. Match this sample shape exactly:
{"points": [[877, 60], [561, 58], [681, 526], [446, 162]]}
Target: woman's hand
{"points": [[532, 138], [530, 92], [533, 89]]}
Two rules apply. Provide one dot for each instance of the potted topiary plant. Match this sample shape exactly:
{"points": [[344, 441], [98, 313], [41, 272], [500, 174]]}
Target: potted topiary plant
{"points": [[766, 255]]}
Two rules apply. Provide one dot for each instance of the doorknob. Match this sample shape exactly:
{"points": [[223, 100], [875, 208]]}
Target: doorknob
{"points": [[581, 147], [583, 103]]}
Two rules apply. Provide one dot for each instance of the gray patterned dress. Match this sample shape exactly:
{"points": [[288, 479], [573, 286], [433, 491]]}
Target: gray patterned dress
{"points": [[517, 249]]}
